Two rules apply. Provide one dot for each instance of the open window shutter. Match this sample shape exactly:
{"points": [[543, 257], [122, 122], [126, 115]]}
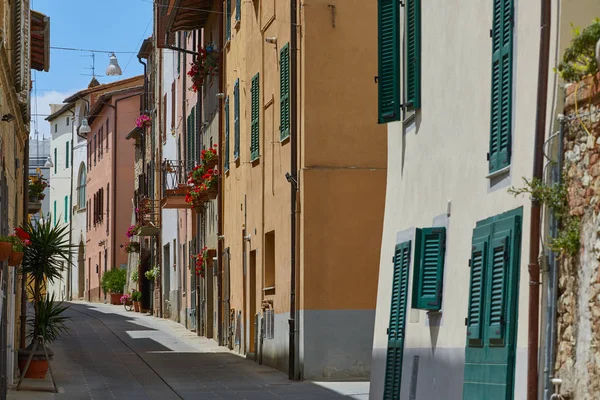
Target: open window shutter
{"points": [[188, 144], [255, 124], [393, 369], [228, 21], [413, 54], [226, 162], [194, 132], [238, 10], [389, 60], [477, 286], [497, 279], [501, 112], [236, 119], [429, 268], [284, 92]]}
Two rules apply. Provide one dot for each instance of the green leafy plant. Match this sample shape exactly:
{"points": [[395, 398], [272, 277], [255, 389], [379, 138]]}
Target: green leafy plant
{"points": [[579, 58], [43, 262], [50, 321], [134, 276], [152, 274], [114, 280], [136, 296], [555, 197]]}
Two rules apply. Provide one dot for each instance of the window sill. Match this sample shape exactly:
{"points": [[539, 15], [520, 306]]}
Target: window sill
{"points": [[500, 172], [269, 291], [285, 139]]}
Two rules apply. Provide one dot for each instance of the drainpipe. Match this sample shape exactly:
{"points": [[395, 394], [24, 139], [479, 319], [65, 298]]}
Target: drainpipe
{"points": [[552, 289], [220, 199], [294, 187], [22, 338], [534, 229], [145, 96], [70, 264]]}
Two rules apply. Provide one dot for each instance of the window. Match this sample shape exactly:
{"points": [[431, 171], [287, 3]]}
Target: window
{"points": [[190, 140], [107, 130], [107, 207], [67, 155], [68, 118], [164, 119], [184, 270], [269, 276], [95, 147], [238, 10], [255, 122], [55, 215], [284, 92], [430, 251], [55, 128], [66, 217], [178, 55], [501, 113], [173, 108], [236, 120], [389, 58], [493, 301], [100, 143], [81, 187], [227, 20], [226, 162], [399, 299]]}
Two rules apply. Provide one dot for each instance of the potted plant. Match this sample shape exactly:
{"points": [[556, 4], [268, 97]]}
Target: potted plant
{"points": [[201, 259], [143, 121], [45, 258], [134, 277], [37, 185], [20, 240], [210, 157], [204, 65], [132, 247], [136, 297], [152, 274], [113, 282], [5, 247]]}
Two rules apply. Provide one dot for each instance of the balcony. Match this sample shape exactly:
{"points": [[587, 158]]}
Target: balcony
{"points": [[174, 185], [187, 15], [148, 213]]}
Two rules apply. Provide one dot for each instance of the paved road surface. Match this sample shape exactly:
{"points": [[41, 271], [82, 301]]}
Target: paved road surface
{"points": [[112, 354]]}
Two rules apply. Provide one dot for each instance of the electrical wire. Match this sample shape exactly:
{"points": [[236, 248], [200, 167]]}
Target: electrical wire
{"points": [[91, 50], [182, 8]]}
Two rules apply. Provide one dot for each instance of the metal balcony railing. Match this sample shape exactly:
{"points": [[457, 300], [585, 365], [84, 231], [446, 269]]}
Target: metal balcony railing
{"points": [[148, 213], [174, 176]]}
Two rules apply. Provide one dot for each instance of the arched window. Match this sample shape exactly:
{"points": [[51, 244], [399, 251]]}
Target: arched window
{"points": [[81, 187]]}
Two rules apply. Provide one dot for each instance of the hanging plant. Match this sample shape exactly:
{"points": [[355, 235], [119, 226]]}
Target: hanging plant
{"points": [[204, 65], [201, 259], [579, 59], [143, 121]]}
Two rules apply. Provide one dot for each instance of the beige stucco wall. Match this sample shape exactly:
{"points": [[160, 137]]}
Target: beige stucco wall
{"points": [[340, 147]]}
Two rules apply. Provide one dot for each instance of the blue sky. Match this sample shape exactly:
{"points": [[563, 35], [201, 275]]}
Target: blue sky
{"points": [[112, 25]]}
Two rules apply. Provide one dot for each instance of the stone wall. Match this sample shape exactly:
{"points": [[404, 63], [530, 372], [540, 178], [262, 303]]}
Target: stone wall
{"points": [[578, 338]]}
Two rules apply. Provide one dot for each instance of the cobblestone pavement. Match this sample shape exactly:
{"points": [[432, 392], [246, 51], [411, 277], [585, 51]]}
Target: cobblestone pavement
{"points": [[113, 354]]}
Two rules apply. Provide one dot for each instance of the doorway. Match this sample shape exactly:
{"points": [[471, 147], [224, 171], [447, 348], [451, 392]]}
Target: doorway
{"points": [[252, 301], [167, 279], [81, 268]]}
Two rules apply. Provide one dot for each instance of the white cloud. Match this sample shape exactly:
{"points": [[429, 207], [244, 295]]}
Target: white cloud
{"points": [[42, 102]]}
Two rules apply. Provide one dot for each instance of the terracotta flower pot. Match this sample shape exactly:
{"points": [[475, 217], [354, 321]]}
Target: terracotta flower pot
{"points": [[211, 164], [15, 258], [115, 298], [5, 250], [137, 306], [37, 369]]}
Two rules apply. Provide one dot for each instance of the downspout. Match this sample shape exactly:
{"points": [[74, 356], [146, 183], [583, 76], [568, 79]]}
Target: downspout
{"points": [[70, 265], [220, 198], [200, 227], [534, 229], [294, 187], [552, 287], [22, 338], [145, 95]]}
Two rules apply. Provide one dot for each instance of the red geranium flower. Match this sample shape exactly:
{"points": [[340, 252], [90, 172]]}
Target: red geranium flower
{"points": [[21, 234]]}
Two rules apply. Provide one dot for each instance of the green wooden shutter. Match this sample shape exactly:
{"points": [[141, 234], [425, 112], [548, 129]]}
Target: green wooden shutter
{"points": [[389, 61], [413, 54], [55, 216], [226, 162], [501, 112], [188, 143], [228, 21], [255, 122], [238, 10], [430, 252], [284, 92], [499, 249], [194, 139], [236, 120], [393, 368], [477, 286], [66, 217], [67, 153], [55, 160]]}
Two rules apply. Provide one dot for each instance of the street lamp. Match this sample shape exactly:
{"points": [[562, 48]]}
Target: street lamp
{"points": [[85, 127], [49, 163], [113, 68]]}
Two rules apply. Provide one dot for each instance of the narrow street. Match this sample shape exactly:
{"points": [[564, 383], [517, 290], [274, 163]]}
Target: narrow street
{"points": [[113, 354]]}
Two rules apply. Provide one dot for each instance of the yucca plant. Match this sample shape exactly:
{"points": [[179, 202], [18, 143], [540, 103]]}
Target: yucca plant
{"points": [[44, 260]]}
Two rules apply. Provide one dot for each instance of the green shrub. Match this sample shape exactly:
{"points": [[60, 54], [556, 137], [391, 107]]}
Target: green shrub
{"points": [[579, 59], [136, 296], [114, 281]]}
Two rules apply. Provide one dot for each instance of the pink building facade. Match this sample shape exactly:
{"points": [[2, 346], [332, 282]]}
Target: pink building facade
{"points": [[110, 183]]}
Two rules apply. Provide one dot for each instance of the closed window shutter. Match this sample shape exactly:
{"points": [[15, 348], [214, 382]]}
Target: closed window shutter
{"points": [[226, 162], [236, 120], [255, 123], [188, 144], [194, 137], [389, 60], [477, 286], [501, 112], [228, 21], [430, 252], [284, 92], [413, 54], [393, 368], [67, 155], [66, 217], [238, 10], [499, 257]]}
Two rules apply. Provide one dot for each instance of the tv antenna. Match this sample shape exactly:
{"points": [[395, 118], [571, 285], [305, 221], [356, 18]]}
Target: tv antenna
{"points": [[93, 66]]}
